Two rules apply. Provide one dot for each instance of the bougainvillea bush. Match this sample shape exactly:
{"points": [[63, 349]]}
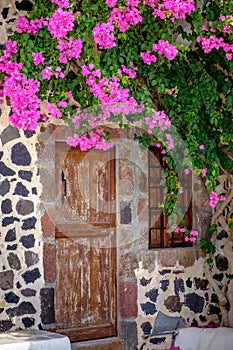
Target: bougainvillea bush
{"points": [[166, 62]]}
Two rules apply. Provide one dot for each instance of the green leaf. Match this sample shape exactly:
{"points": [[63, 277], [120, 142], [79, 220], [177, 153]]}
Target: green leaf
{"points": [[211, 229]]}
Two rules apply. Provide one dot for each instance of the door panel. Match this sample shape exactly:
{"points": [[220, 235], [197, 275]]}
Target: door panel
{"points": [[85, 293]]}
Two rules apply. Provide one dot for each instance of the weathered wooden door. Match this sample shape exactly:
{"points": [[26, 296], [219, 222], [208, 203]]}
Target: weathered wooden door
{"points": [[85, 292]]}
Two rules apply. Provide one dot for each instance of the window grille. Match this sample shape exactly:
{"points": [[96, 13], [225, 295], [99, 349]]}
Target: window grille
{"points": [[158, 235]]}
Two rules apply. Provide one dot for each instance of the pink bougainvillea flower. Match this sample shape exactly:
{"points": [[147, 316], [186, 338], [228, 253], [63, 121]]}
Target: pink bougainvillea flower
{"points": [[46, 73], [201, 147], [213, 199], [147, 57], [164, 47], [61, 23], [111, 3], [186, 171], [103, 35], [204, 172], [37, 58], [53, 110], [222, 198], [62, 3]]}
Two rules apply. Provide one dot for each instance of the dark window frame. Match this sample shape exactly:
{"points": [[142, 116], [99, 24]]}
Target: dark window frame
{"points": [[158, 235]]}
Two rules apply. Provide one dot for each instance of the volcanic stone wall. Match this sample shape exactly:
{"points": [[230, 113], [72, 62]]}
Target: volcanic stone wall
{"points": [[170, 286]]}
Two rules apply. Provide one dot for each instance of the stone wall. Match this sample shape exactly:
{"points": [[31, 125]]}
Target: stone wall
{"points": [[175, 283]]}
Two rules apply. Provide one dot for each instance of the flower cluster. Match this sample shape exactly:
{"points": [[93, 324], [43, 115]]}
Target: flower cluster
{"points": [[102, 34], [23, 25], [37, 58], [125, 18], [61, 23], [131, 72], [87, 141], [171, 8], [213, 42], [53, 110], [191, 236], [61, 3], [163, 47], [69, 49], [107, 90], [147, 57], [158, 120], [25, 104], [214, 199]]}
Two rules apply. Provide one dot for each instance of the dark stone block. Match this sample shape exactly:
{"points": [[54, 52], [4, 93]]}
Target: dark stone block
{"points": [[203, 319], [31, 258], [148, 308], [4, 187], [173, 303], [29, 224], [31, 276], [47, 305], [178, 286], [24, 207], [5, 325], [201, 283], [218, 276], [164, 272], [126, 214], [11, 235], [128, 332], [222, 234], [144, 282], [20, 155], [5, 12], [157, 341], [6, 206], [214, 298], [221, 262], [164, 285], [146, 328], [1, 153], [189, 283], [25, 175], [21, 190], [12, 247], [28, 322], [24, 308], [194, 323], [28, 292], [9, 220], [213, 310], [194, 302], [34, 190], [29, 133], [9, 134], [6, 280], [152, 295], [18, 285], [12, 298], [14, 261], [24, 5], [164, 323], [5, 171], [28, 241]]}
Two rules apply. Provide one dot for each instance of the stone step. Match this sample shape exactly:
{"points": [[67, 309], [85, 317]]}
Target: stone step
{"points": [[99, 344]]}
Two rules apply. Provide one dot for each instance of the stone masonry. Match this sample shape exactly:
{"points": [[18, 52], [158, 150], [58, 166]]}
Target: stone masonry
{"points": [[175, 285]]}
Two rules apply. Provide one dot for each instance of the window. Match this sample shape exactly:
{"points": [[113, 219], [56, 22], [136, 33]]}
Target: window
{"points": [[158, 235]]}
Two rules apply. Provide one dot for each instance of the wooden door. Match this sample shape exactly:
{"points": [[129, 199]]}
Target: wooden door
{"points": [[85, 293]]}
